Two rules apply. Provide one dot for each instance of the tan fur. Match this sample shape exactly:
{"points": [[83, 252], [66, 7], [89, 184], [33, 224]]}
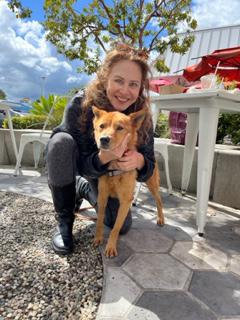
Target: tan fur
{"points": [[115, 126]]}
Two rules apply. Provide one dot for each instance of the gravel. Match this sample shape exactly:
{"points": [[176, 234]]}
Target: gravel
{"points": [[36, 283]]}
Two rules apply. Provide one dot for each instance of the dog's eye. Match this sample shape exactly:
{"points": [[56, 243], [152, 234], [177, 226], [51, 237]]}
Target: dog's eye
{"points": [[119, 128], [102, 126]]}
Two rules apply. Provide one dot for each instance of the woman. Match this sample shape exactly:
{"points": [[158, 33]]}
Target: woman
{"points": [[73, 159]]}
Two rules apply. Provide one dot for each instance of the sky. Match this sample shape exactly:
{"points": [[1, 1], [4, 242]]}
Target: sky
{"points": [[30, 66]]}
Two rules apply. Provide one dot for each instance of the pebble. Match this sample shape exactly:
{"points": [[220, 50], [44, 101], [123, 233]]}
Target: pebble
{"points": [[35, 282]]}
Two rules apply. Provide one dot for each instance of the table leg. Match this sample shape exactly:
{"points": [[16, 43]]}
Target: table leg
{"points": [[208, 122], [155, 113], [12, 134], [190, 143]]}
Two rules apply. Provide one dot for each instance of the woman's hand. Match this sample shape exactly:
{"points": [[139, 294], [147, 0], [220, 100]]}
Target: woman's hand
{"points": [[130, 160], [106, 156]]}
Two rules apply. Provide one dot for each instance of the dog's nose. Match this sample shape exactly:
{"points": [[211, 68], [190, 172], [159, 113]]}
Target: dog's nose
{"points": [[104, 141]]}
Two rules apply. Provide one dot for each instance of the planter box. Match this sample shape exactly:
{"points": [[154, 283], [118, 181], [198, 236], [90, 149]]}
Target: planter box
{"points": [[7, 156]]}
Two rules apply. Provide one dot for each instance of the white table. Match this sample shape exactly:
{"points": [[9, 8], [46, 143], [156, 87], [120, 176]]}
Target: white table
{"points": [[6, 107], [203, 109]]}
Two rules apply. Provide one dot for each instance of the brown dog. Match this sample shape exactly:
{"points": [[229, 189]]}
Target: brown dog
{"points": [[110, 129]]}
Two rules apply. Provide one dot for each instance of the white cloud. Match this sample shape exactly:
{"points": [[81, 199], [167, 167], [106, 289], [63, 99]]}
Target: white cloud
{"points": [[74, 79], [218, 13], [26, 56]]}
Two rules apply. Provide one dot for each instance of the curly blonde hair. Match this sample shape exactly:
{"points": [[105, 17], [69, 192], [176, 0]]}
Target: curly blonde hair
{"points": [[95, 93]]}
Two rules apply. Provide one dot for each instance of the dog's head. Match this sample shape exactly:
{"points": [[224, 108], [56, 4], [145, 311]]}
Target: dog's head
{"points": [[110, 128]]}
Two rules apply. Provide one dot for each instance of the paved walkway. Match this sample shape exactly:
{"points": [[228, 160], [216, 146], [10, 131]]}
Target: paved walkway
{"points": [[165, 273]]}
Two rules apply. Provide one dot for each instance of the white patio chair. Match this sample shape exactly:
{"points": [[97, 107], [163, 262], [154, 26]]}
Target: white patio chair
{"points": [[162, 146], [38, 140]]}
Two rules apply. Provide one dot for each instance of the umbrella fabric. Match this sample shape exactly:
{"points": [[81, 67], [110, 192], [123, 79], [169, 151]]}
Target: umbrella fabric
{"points": [[226, 60]]}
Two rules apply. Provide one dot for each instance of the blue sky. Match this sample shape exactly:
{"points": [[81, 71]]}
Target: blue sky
{"points": [[36, 7], [26, 57]]}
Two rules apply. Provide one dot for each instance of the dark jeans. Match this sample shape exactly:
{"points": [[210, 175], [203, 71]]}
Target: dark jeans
{"points": [[63, 164]]}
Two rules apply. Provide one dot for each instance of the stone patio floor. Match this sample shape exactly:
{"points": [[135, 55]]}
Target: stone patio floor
{"points": [[169, 272]]}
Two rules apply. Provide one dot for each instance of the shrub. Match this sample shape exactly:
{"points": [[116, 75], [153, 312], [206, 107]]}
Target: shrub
{"points": [[30, 121], [229, 124], [44, 106], [162, 128]]}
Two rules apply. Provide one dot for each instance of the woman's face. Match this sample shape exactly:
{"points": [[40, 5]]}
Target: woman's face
{"points": [[124, 84]]}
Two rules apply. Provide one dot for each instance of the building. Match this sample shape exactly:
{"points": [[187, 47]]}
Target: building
{"points": [[206, 41]]}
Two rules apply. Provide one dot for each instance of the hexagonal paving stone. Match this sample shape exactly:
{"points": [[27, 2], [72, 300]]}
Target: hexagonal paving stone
{"points": [[220, 291], [148, 240], [234, 318], [237, 230], [199, 255], [124, 252], [118, 295], [235, 264], [223, 237], [167, 305], [157, 271], [143, 219], [177, 232]]}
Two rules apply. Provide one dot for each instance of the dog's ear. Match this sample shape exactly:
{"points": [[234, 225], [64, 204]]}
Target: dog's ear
{"points": [[97, 112], [138, 117]]}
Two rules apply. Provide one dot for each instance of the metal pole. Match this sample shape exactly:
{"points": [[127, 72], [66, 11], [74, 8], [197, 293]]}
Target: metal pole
{"points": [[43, 85]]}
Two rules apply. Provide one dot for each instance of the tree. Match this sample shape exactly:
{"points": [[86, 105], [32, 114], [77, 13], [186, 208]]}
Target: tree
{"points": [[17, 7], [3, 95], [85, 32]]}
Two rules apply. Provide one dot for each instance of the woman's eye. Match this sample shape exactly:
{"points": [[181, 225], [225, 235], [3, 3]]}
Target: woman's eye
{"points": [[120, 81], [134, 85]]}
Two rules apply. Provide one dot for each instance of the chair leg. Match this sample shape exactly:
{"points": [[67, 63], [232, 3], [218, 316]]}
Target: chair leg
{"points": [[19, 158], [136, 194], [37, 149], [164, 151]]}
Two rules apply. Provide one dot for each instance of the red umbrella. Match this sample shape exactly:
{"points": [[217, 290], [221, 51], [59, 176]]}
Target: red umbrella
{"points": [[227, 62], [154, 84]]}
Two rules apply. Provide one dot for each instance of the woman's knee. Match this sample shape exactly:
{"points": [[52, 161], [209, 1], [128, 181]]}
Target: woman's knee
{"points": [[60, 144], [61, 156]]}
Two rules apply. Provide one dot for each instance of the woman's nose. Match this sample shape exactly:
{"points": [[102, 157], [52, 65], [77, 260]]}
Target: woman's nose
{"points": [[124, 88]]}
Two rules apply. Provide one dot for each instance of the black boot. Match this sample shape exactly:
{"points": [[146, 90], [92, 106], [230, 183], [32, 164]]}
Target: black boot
{"points": [[64, 204]]}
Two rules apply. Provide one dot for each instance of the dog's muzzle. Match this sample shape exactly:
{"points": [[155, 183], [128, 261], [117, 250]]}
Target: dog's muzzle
{"points": [[104, 142]]}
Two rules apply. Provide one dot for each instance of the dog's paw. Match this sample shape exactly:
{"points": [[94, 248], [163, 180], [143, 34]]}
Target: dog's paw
{"points": [[160, 221], [110, 251]]}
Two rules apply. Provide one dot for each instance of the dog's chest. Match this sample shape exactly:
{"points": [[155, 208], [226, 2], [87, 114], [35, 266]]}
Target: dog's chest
{"points": [[121, 184]]}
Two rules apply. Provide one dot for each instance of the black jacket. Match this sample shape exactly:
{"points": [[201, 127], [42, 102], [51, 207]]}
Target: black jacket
{"points": [[90, 164]]}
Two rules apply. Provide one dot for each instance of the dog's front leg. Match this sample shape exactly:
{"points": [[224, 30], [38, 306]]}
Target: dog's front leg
{"points": [[102, 203], [111, 247]]}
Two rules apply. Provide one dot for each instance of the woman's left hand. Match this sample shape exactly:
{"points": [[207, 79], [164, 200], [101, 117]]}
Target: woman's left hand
{"points": [[130, 160]]}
